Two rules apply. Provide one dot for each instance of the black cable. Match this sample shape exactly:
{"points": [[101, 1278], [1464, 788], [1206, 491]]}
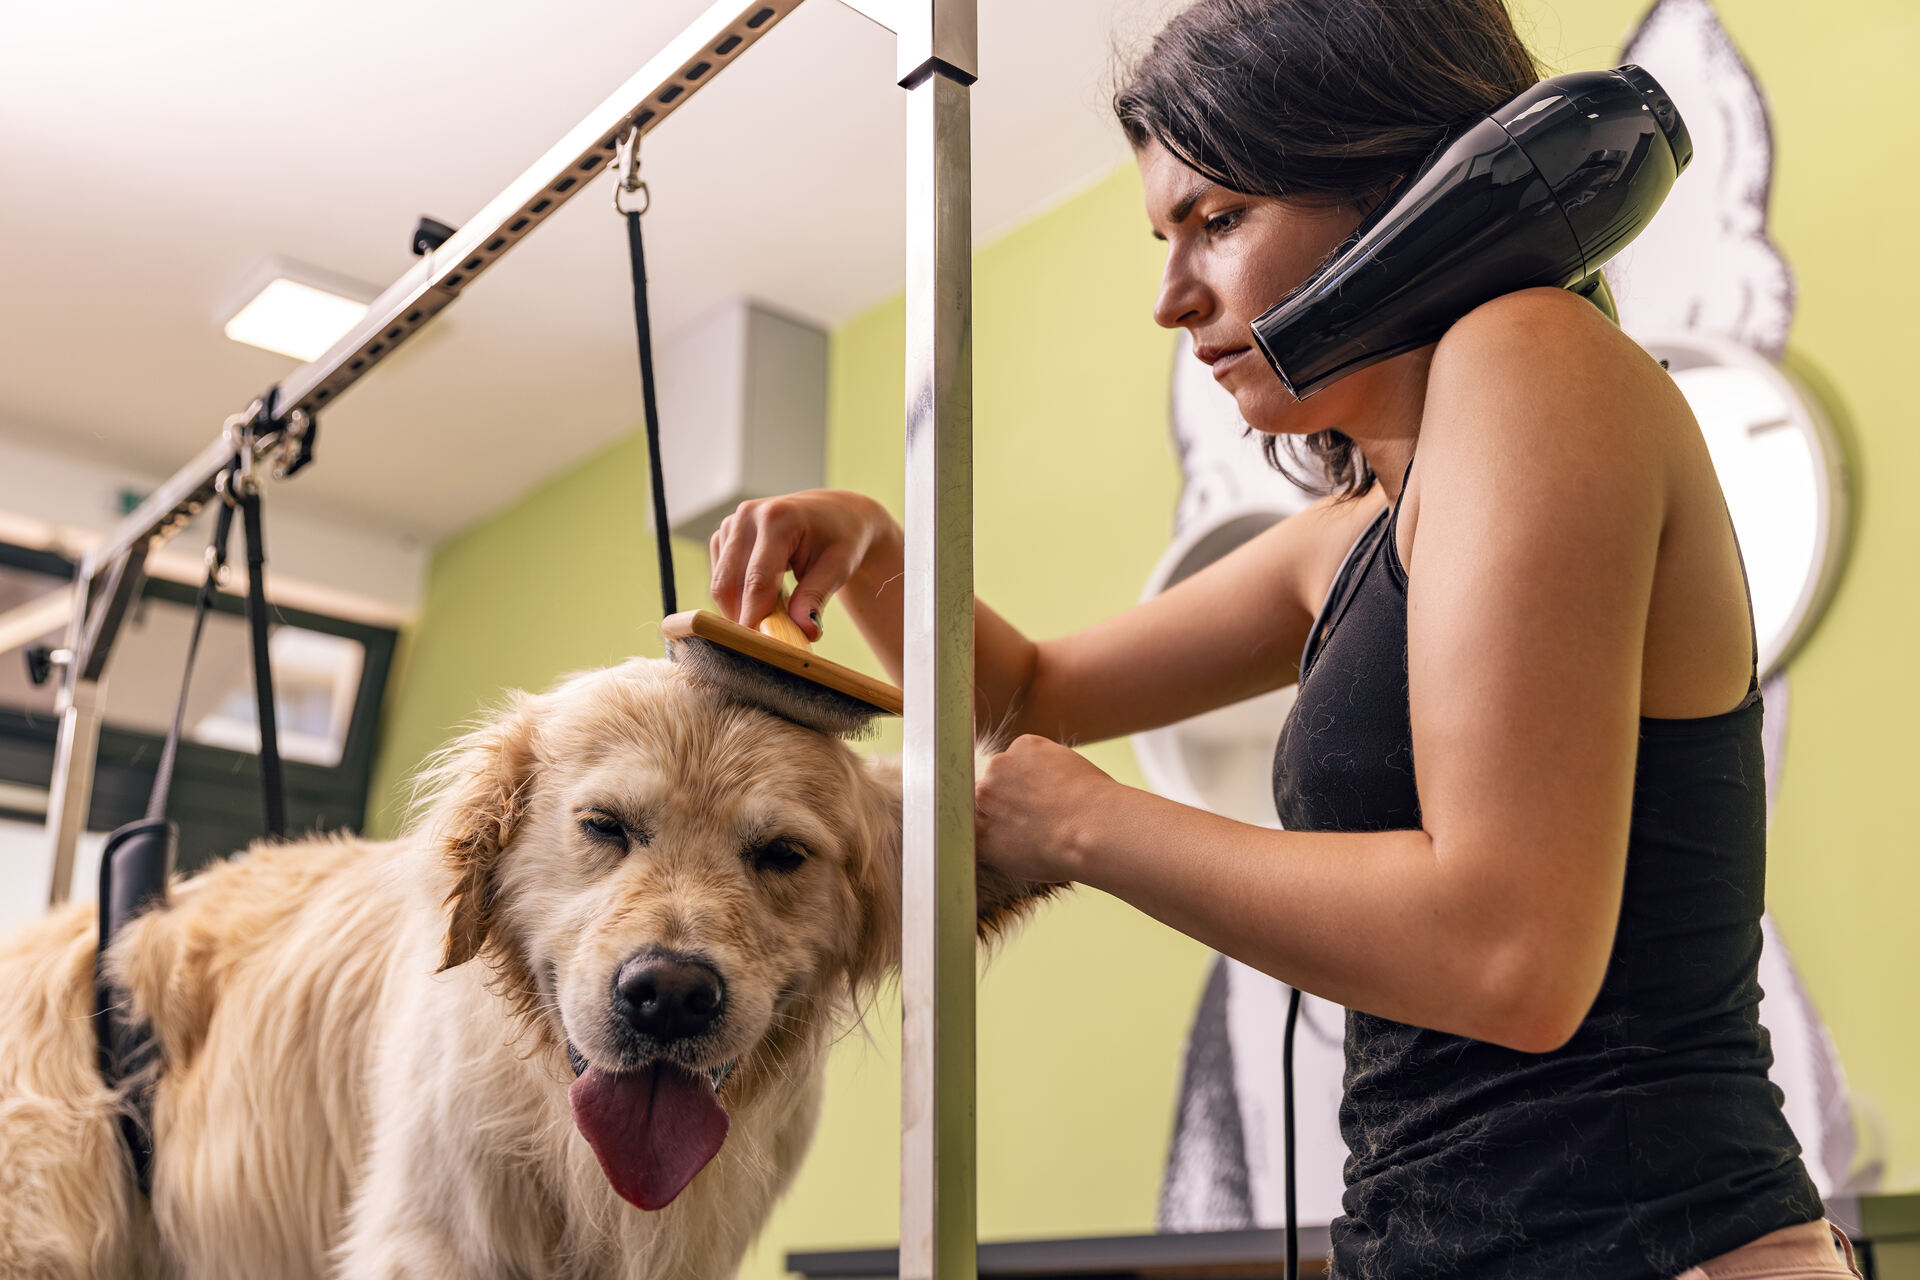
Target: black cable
{"points": [[643, 331], [1286, 1115]]}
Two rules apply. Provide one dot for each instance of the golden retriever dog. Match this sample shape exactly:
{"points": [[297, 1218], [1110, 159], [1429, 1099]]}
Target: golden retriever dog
{"points": [[573, 1025]]}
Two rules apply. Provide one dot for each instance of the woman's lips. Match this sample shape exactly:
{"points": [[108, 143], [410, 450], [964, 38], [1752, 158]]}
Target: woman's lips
{"points": [[1227, 360]]}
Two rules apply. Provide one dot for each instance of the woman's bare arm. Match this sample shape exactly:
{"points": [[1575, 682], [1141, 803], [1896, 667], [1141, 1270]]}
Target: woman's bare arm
{"points": [[1230, 631], [1543, 497]]}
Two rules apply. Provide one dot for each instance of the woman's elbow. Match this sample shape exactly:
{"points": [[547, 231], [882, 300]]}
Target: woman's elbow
{"points": [[1536, 1000]]}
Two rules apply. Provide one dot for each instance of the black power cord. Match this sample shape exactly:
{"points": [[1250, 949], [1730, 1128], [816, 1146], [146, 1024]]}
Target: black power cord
{"points": [[1286, 1115]]}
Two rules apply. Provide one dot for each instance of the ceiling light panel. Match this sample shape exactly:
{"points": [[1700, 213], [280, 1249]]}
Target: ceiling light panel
{"points": [[294, 318]]}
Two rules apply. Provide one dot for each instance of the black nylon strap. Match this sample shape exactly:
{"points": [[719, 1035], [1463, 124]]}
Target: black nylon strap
{"points": [[134, 866], [644, 333], [216, 560], [272, 787]]}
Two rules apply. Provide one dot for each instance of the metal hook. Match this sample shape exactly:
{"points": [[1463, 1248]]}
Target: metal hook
{"points": [[626, 161], [234, 432]]}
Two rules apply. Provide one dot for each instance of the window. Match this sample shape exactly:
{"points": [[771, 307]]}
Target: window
{"points": [[329, 676]]}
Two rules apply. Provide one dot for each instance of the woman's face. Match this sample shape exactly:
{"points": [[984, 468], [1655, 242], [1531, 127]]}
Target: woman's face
{"points": [[1230, 257]]}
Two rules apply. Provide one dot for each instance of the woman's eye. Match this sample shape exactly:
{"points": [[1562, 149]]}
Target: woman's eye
{"points": [[600, 826], [782, 856], [1221, 223]]}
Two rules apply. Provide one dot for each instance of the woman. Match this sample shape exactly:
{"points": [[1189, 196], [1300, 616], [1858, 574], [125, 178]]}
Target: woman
{"points": [[1521, 783]]}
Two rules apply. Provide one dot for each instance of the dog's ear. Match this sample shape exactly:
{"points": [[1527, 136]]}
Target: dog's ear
{"points": [[1003, 900], [877, 879], [479, 790], [1000, 899]]}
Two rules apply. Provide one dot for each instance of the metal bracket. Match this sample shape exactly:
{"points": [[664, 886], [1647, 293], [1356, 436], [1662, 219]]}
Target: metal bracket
{"points": [[429, 234], [938, 37], [297, 438]]}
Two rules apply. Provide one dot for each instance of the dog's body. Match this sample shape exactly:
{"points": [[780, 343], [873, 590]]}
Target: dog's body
{"points": [[365, 1046]]}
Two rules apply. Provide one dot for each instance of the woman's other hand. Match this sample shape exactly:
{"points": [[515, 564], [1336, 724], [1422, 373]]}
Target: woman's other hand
{"points": [[1033, 807], [822, 535]]}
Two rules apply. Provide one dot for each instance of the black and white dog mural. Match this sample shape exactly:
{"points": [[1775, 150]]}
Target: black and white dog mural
{"points": [[1705, 289]]}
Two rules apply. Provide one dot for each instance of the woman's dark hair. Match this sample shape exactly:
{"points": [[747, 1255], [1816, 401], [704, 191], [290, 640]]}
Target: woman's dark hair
{"points": [[1328, 101]]}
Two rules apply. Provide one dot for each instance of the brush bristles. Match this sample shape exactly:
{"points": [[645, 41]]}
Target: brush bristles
{"points": [[786, 695]]}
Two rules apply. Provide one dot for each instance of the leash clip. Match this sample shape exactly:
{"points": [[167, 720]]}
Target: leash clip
{"points": [[626, 161]]}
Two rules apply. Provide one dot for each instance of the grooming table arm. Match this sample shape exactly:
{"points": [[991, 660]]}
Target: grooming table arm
{"points": [[937, 63]]}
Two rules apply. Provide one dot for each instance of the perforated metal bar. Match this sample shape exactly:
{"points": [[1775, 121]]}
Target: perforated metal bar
{"points": [[692, 61]]}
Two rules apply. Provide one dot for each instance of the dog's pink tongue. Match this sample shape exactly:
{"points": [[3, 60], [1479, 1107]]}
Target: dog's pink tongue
{"points": [[652, 1129]]}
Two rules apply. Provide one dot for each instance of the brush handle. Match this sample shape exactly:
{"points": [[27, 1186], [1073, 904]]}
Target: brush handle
{"points": [[704, 624], [781, 626]]}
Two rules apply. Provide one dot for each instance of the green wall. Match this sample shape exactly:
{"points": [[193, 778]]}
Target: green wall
{"points": [[1083, 1016]]}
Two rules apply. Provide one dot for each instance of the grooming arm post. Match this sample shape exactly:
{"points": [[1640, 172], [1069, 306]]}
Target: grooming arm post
{"points": [[937, 61], [101, 598]]}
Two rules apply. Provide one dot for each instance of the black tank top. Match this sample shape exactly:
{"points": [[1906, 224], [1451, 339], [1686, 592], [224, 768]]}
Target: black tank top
{"points": [[1653, 1139]]}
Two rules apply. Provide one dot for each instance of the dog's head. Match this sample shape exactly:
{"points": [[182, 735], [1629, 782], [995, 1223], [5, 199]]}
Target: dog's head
{"points": [[678, 889]]}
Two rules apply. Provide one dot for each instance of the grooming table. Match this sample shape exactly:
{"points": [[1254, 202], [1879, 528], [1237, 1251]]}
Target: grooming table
{"points": [[1885, 1230]]}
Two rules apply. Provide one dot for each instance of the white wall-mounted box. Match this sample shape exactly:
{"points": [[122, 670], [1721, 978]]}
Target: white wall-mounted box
{"points": [[743, 413]]}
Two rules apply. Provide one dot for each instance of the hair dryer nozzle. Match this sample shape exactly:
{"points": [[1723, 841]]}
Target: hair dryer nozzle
{"points": [[1540, 193]]}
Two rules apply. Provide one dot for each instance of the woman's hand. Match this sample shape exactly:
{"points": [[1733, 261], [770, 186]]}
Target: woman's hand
{"points": [[823, 535], [1034, 808]]}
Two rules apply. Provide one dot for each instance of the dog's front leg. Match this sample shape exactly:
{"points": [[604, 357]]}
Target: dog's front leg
{"points": [[451, 1182], [446, 1191], [422, 1209]]}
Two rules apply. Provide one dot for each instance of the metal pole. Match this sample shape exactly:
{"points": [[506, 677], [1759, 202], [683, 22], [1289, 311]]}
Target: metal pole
{"points": [[937, 1132], [101, 599], [71, 792]]}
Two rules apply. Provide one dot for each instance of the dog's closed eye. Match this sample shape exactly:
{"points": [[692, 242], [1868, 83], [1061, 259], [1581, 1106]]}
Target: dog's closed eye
{"points": [[604, 828], [782, 857]]}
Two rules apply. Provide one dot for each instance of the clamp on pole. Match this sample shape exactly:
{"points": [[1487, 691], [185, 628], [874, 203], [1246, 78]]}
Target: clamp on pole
{"points": [[626, 163]]}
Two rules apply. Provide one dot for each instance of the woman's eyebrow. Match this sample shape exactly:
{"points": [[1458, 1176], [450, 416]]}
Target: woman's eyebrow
{"points": [[1185, 207], [1180, 211]]}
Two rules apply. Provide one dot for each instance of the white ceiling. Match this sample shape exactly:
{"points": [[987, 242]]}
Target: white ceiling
{"points": [[152, 156]]}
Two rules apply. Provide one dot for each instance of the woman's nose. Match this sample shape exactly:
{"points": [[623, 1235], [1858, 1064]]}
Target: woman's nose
{"points": [[1182, 299]]}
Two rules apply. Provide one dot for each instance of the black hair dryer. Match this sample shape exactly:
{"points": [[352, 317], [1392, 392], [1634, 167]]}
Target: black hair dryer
{"points": [[1541, 192]]}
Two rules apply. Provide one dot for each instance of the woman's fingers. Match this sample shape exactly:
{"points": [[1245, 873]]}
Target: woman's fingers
{"points": [[766, 563], [826, 575], [732, 543], [815, 534]]}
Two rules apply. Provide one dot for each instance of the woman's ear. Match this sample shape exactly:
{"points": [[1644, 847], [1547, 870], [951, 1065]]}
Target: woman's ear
{"points": [[479, 791]]}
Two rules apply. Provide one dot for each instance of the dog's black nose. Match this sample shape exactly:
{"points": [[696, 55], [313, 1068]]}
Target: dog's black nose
{"points": [[668, 997]]}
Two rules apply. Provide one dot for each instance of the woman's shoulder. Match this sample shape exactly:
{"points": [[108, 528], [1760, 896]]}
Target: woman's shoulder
{"points": [[1539, 405], [1546, 366], [1551, 340]]}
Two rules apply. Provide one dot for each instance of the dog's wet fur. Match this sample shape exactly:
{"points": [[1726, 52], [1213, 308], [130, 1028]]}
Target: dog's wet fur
{"points": [[365, 1045]]}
